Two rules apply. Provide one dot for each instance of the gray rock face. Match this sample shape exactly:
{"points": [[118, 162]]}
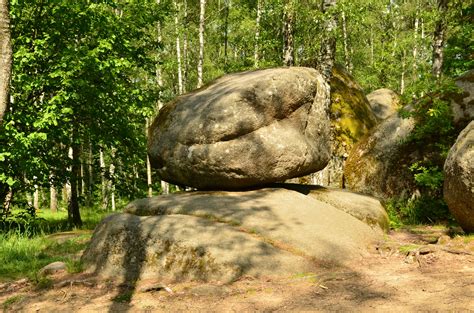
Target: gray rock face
{"points": [[384, 102], [351, 118], [459, 179], [463, 105], [244, 129], [379, 164], [224, 235], [53, 268]]}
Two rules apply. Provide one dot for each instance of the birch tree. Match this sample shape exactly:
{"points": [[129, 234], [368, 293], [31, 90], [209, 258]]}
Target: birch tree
{"points": [[328, 49], [5, 57], [257, 34], [288, 39], [439, 38], [201, 41]]}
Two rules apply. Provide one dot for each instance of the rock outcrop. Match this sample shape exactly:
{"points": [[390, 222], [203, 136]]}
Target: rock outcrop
{"points": [[384, 102], [463, 105], [351, 119], [459, 179], [223, 235], [378, 165], [244, 129]]}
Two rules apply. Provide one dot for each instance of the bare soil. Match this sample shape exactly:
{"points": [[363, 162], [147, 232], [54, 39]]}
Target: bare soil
{"points": [[418, 269]]}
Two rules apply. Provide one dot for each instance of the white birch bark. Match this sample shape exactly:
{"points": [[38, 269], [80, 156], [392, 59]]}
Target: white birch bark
{"points": [[178, 50], [148, 164], [53, 198], [415, 47], [347, 58], [288, 40], [5, 57], [111, 183], [439, 38], [201, 42], [257, 34], [103, 179], [36, 198]]}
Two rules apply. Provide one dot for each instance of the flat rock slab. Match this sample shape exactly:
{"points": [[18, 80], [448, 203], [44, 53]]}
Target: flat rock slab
{"points": [[244, 129], [224, 235]]}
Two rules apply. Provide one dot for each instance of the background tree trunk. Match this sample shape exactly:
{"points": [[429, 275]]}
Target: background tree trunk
{"points": [[201, 41], [53, 198], [178, 50], [257, 34], [105, 198], [74, 215], [439, 38], [328, 45], [288, 40], [148, 164], [347, 57], [328, 50], [5, 58]]}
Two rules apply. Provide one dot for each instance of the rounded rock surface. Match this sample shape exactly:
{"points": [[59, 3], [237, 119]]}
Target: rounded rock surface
{"points": [[384, 102], [223, 235], [244, 129], [459, 179]]}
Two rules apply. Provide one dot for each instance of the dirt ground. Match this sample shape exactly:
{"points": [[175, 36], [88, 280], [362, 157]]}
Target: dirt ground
{"points": [[418, 269]]}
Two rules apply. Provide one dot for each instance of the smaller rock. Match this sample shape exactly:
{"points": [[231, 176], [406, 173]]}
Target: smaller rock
{"points": [[459, 179], [53, 268], [384, 102]]}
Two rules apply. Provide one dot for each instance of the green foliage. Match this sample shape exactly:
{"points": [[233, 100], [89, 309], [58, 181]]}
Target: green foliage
{"points": [[420, 210], [428, 177]]}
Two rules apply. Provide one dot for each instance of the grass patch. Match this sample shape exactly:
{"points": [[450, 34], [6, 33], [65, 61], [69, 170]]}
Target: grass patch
{"points": [[11, 301], [22, 256], [423, 210], [408, 248]]}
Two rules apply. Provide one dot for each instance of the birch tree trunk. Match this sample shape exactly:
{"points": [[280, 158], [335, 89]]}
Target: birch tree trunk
{"points": [[36, 198], [256, 56], [105, 201], [185, 47], [226, 30], [53, 196], [328, 48], [415, 48], [288, 40], [5, 58], [402, 76], [67, 186], [7, 201], [439, 38], [201, 41], [74, 215], [148, 164], [347, 57], [111, 182], [178, 50]]}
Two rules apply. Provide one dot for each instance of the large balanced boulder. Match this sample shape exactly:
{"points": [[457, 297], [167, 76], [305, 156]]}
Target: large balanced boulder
{"points": [[351, 118], [244, 129], [384, 102], [459, 179], [222, 235]]}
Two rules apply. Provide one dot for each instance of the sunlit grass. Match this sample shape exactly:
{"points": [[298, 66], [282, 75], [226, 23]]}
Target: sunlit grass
{"points": [[23, 252], [22, 256]]}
